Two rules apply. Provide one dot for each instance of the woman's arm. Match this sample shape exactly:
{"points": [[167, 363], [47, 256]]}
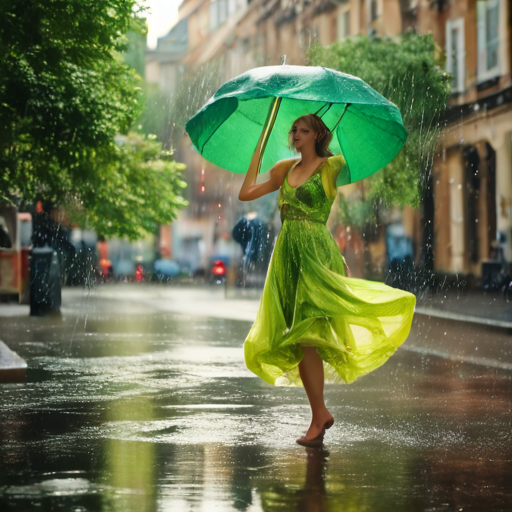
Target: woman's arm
{"points": [[250, 190]]}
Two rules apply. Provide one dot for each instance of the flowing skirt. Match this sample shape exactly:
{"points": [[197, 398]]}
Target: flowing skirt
{"points": [[355, 325]]}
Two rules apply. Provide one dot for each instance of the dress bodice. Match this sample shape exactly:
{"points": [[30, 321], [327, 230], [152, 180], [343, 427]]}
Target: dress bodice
{"points": [[312, 200]]}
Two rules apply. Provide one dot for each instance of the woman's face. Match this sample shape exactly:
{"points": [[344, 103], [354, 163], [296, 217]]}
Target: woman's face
{"points": [[302, 135]]}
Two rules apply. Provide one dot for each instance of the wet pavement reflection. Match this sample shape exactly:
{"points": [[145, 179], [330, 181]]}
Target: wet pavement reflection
{"points": [[144, 410]]}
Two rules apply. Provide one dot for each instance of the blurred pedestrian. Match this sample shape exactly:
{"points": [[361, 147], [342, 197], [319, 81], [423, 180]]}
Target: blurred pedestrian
{"points": [[48, 232], [104, 265]]}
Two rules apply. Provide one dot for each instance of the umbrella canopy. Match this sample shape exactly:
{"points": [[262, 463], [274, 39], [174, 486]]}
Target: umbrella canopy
{"points": [[367, 128]]}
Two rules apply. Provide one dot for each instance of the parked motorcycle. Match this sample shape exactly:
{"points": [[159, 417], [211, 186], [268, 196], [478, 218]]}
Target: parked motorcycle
{"points": [[218, 272]]}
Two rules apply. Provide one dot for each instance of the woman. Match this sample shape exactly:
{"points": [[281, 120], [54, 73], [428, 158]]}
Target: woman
{"points": [[311, 317]]}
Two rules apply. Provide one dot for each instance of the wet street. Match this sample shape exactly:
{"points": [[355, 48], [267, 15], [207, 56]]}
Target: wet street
{"points": [[140, 402]]}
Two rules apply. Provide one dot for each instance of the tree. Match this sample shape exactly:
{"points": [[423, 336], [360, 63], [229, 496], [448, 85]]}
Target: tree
{"points": [[408, 71], [66, 94], [139, 188]]}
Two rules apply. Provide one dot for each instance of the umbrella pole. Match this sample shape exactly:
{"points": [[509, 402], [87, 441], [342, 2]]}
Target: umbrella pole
{"points": [[269, 124]]}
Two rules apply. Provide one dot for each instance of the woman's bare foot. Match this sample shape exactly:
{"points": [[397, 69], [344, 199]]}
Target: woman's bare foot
{"points": [[319, 424]]}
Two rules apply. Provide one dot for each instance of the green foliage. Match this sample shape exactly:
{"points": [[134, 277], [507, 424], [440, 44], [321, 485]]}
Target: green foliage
{"points": [[355, 211], [139, 188], [65, 94], [407, 71]]}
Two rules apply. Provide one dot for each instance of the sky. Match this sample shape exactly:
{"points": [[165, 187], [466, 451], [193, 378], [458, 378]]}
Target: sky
{"points": [[161, 16]]}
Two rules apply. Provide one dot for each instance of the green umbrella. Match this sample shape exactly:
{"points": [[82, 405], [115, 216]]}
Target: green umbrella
{"points": [[367, 128]]}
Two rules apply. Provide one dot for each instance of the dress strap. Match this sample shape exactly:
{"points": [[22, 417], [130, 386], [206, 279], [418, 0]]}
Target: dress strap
{"points": [[292, 166], [289, 170]]}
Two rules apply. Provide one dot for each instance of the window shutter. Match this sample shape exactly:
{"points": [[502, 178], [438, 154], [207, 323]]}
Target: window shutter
{"points": [[461, 57], [449, 59], [455, 53], [481, 38]]}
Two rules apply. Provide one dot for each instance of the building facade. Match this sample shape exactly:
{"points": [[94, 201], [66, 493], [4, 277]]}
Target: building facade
{"points": [[472, 177], [473, 174]]}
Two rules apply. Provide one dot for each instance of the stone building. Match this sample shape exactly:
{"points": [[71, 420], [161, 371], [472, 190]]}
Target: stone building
{"points": [[473, 175]]}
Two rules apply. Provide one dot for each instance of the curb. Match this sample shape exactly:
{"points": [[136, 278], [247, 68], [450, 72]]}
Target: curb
{"points": [[457, 317], [12, 366]]}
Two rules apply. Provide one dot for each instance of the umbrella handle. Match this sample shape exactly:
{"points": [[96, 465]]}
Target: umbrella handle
{"points": [[269, 124]]}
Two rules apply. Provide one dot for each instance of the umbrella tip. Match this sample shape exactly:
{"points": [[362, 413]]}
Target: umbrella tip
{"points": [[283, 59]]}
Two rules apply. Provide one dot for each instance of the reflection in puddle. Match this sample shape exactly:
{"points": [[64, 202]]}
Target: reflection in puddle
{"points": [[209, 406], [156, 413], [311, 496], [53, 487]]}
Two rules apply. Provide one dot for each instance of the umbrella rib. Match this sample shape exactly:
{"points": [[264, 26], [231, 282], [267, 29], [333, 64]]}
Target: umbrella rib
{"points": [[341, 117], [368, 117], [249, 119], [212, 134], [330, 105], [323, 106]]}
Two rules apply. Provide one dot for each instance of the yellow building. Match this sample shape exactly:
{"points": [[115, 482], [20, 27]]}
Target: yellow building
{"points": [[473, 174]]}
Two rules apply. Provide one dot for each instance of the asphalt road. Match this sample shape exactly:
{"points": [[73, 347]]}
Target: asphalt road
{"points": [[138, 400]]}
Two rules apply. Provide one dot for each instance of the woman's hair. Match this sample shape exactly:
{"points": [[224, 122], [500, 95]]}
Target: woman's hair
{"points": [[317, 125]]}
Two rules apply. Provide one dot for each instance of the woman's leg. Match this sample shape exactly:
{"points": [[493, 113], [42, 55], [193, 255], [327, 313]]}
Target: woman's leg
{"points": [[311, 370]]}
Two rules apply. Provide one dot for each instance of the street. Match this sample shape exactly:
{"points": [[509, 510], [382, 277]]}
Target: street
{"points": [[138, 399]]}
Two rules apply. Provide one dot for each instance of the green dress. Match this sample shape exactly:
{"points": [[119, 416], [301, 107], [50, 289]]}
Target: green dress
{"points": [[355, 325]]}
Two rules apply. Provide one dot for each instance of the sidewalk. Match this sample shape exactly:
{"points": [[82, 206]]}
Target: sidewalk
{"points": [[485, 309], [489, 310], [470, 327]]}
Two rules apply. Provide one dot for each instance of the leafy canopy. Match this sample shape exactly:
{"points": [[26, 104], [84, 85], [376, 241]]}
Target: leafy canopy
{"points": [[65, 94], [408, 72], [139, 188]]}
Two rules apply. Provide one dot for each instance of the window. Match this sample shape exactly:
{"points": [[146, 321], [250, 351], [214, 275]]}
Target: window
{"points": [[488, 39], [373, 10], [343, 24], [455, 53], [214, 15], [223, 11], [218, 13]]}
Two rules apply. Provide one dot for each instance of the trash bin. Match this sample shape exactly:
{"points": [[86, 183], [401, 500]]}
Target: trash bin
{"points": [[45, 282], [491, 275]]}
